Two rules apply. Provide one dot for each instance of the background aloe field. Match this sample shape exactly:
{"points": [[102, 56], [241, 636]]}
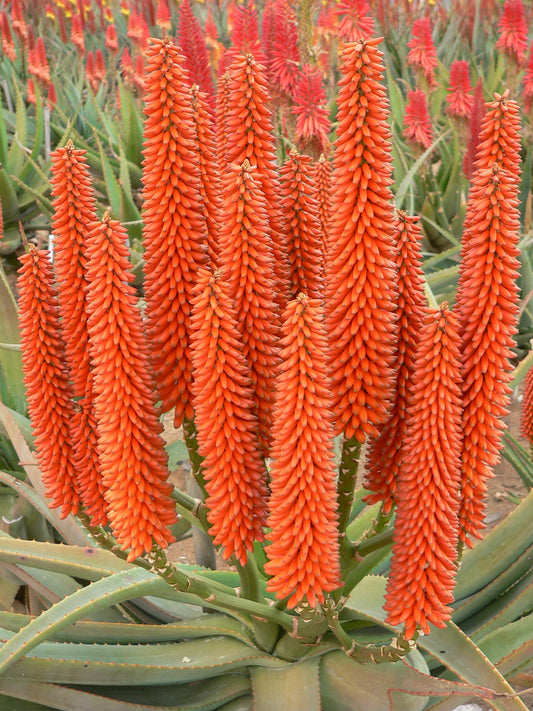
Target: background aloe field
{"points": [[264, 100]]}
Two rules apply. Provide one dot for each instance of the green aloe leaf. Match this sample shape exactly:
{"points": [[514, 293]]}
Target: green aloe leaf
{"points": [[497, 551], [414, 170], [186, 697], [511, 646], [135, 664], [10, 360], [295, 687], [450, 646]]}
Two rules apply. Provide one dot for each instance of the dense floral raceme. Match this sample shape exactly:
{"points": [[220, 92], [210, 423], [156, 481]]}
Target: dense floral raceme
{"points": [[131, 451], [73, 218], [416, 122], [175, 232], [312, 117], [48, 390], [248, 134], [422, 53], [304, 245], [247, 261], [513, 30], [303, 554], [226, 421], [323, 192], [384, 459], [421, 580], [361, 278], [487, 304], [459, 96]]}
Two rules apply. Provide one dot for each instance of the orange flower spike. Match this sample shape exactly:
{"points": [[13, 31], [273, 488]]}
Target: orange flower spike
{"points": [[249, 135], [235, 476], [48, 391], [175, 232], [222, 106], [303, 557], [209, 170], [323, 185], [74, 216], [487, 305], [361, 274], [132, 455], [385, 452], [421, 580], [300, 205], [248, 265]]}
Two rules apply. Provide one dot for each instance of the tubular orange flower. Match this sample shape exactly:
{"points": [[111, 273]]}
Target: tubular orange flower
{"points": [[76, 34], [234, 472], [74, 216], [209, 171], [459, 97], [513, 30], [175, 230], [384, 458], [416, 123], [249, 136], [48, 390], [422, 54], [299, 202], [487, 304], [248, 264], [303, 556], [131, 451], [420, 587], [361, 281], [323, 186], [526, 417]]}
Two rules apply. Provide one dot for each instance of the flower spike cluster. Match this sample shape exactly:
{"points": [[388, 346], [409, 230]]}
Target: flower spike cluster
{"points": [[420, 587], [459, 98], [303, 556], [416, 122], [487, 304], [513, 29], [361, 280], [175, 232], [132, 455], [48, 391], [422, 53], [526, 416], [233, 468]]}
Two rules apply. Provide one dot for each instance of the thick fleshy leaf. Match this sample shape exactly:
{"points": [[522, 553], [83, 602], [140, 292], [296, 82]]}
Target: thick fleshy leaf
{"points": [[295, 687], [187, 697], [451, 647]]}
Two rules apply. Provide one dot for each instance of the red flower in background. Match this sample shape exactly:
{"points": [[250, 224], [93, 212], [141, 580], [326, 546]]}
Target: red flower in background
{"points": [[111, 41], [192, 44], [76, 34], [459, 98], [245, 34], [513, 30], [355, 22], [416, 122], [422, 53], [474, 125], [284, 57], [527, 93], [309, 96], [8, 45], [526, 416]]}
